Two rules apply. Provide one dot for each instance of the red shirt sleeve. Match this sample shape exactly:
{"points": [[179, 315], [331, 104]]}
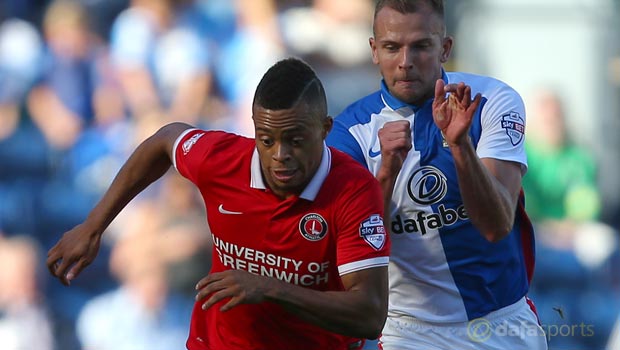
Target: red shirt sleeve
{"points": [[363, 241]]}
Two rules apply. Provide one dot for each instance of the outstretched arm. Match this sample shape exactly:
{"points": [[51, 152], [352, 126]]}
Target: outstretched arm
{"points": [[359, 311], [489, 187], [78, 247]]}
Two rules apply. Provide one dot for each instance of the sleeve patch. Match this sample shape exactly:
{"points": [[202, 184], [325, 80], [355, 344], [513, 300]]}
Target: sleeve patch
{"points": [[514, 125], [373, 231]]}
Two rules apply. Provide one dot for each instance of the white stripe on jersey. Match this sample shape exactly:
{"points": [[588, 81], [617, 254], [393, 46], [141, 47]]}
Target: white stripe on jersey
{"points": [[362, 264]]}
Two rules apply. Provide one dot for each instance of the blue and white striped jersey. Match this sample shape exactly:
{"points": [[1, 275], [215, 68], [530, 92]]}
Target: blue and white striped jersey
{"points": [[441, 268]]}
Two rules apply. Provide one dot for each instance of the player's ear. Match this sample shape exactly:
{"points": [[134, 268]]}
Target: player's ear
{"points": [[446, 48], [328, 124], [373, 50]]}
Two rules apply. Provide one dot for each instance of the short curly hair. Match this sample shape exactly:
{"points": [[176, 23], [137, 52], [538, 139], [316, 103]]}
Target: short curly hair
{"points": [[289, 82]]}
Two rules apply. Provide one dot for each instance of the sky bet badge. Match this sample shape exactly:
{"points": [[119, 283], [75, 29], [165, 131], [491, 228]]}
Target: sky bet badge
{"points": [[373, 231], [514, 125]]}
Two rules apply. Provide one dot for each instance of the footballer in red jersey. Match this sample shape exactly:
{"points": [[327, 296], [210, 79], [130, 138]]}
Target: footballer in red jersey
{"points": [[300, 248], [332, 228]]}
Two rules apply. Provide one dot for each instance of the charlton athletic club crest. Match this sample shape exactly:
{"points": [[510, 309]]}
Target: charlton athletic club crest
{"points": [[373, 231], [313, 227]]}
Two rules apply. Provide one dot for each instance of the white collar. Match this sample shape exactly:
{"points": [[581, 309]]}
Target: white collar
{"points": [[311, 191]]}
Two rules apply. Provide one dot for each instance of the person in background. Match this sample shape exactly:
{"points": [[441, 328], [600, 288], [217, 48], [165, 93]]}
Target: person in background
{"points": [[564, 202], [20, 59], [23, 150], [561, 183], [24, 318], [143, 312], [254, 44], [61, 102], [162, 63], [66, 105]]}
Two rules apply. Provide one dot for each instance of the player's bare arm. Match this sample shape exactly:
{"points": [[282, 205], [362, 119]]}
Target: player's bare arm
{"points": [[359, 311], [489, 187], [79, 246], [395, 141]]}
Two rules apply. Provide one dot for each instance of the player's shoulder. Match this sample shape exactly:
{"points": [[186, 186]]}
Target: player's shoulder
{"points": [[226, 137], [486, 85], [215, 141], [350, 171], [360, 111]]}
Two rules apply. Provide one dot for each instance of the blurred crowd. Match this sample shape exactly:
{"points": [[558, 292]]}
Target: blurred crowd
{"points": [[83, 82], [576, 284]]}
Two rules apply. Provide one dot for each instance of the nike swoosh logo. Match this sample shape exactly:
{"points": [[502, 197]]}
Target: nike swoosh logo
{"points": [[224, 211], [372, 153]]}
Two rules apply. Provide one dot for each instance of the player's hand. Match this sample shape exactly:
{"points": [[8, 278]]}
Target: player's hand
{"points": [[453, 114], [395, 141], [76, 250], [240, 286]]}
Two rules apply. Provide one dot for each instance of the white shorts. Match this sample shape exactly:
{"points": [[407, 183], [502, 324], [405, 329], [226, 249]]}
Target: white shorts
{"points": [[513, 327]]}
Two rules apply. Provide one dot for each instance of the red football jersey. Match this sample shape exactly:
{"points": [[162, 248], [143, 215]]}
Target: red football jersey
{"points": [[333, 228]]}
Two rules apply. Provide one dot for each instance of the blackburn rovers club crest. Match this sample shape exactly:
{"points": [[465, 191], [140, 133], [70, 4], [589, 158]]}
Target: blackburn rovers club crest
{"points": [[514, 125], [373, 231], [313, 227]]}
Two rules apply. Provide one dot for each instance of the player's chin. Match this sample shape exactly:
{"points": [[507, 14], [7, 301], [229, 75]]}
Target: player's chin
{"points": [[290, 183], [408, 92], [407, 96], [287, 189]]}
